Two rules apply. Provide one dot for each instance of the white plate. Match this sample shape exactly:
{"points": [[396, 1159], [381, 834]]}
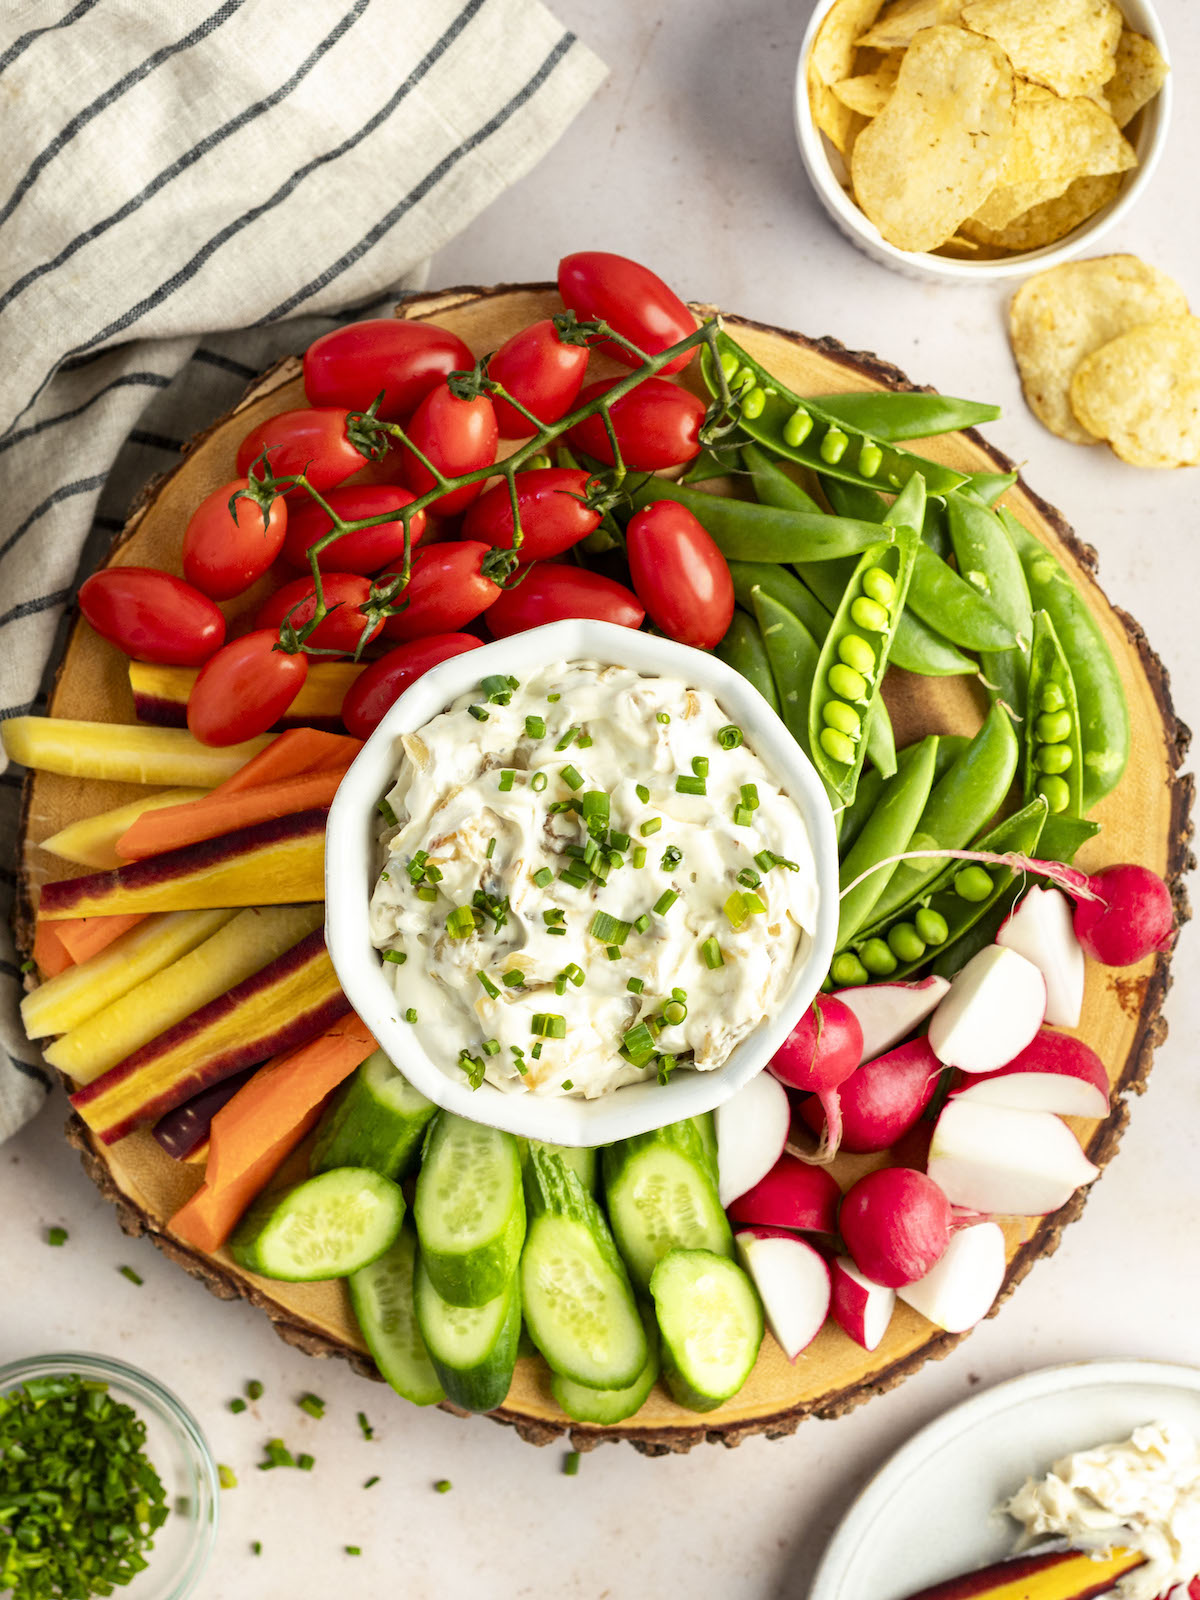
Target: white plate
{"points": [[929, 1513]]}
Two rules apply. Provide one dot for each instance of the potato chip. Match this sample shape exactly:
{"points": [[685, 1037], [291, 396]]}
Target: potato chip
{"points": [[904, 19], [1141, 392], [830, 60], [934, 153], [870, 91], [1054, 142], [1140, 73], [1064, 314], [1067, 45], [1051, 220]]}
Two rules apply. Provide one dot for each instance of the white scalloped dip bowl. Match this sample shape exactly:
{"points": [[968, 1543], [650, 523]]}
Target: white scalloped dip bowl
{"points": [[351, 868], [819, 158]]}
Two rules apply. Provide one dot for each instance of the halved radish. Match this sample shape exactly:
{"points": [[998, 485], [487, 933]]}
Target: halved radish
{"points": [[1007, 1163], [888, 1012], [1040, 929], [895, 1224], [962, 1287], [993, 1008], [1056, 1073], [861, 1308], [752, 1129], [792, 1281], [883, 1099], [793, 1194]]}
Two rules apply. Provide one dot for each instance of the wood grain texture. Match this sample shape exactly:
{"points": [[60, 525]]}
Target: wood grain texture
{"points": [[1147, 819]]}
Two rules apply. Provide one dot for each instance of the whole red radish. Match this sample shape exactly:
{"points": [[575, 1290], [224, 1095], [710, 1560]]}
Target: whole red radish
{"points": [[244, 688], [819, 1054], [384, 681], [679, 574], [883, 1099], [1130, 917], [792, 1195], [895, 1224]]}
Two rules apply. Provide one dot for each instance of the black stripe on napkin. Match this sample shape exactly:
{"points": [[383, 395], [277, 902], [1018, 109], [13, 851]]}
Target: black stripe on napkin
{"points": [[150, 380], [65, 491], [19, 46]]}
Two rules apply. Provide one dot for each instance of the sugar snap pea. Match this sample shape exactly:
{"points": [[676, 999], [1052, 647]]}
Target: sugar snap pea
{"points": [[709, 465], [1064, 835], [852, 819], [953, 607], [801, 430], [743, 649], [988, 561], [886, 832], [1053, 753], [743, 530], [793, 653], [989, 486], [775, 487], [950, 747], [895, 415], [936, 532], [1103, 712]]}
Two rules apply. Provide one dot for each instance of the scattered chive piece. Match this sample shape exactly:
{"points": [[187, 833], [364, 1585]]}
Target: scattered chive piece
{"points": [[548, 1025], [672, 856], [664, 902], [685, 785], [536, 1052], [237, 1406], [513, 979], [535, 727], [226, 1476], [575, 974], [278, 1455], [384, 808], [639, 855], [489, 988], [750, 796], [635, 985], [642, 793], [567, 1083], [674, 1012], [609, 929], [700, 766], [554, 916], [56, 1236], [639, 1044], [425, 892], [666, 1066], [491, 849], [256, 1547], [571, 1464], [711, 951], [29, 965], [134, 1277], [613, 952], [571, 777], [478, 712], [557, 933], [735, 908], [490, 1047], [371, 1481], [543, 877], [662, 716], [560, 984], [538, 782], [368, 1432], [411, 1014], [396, 957], [730, 736], [595, 810], [254, 1389], [641, 923], [306, 1462], [507, 779], [647, 828], [498, 684], [584, 741], [743, 817], [577, 880], [353, 1550], [460, 922], [749, 878], [568, 739], [443, 1485], [474, 1067]]}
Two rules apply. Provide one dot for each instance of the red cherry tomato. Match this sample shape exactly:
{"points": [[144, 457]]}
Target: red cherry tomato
{"points": [[244, 689], [540, 370], [552, 518], [152, 616], [554, 591], [312, 441], [447, 588], [404, 360], [223, 554], [385, 680], [657, 425], [341, 629], [457, 436], [631, 299], [680, 576], [364, 550]]}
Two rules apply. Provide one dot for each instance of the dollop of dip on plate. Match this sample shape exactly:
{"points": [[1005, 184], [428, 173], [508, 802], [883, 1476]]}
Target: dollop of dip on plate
{"points": [[588, 878], [1142, 1492]]}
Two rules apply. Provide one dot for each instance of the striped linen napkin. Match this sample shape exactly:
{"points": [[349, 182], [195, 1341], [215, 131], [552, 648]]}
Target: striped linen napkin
{"points": [[190, 189]]}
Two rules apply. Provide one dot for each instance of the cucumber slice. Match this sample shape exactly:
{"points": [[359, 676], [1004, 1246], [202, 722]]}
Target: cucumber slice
{"points": [[581, 1161], [711, 1322], [382, 1297], [325, 1227], [579, 1307], [376, 1120], [661, 1195], [469, 1209], [473, 1348], [611, 1405]]}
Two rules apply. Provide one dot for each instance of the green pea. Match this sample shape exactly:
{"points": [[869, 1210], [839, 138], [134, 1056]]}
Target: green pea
{"points": [[857, 653], [869, 614], [537, 463], [905, 942], [847, 970], [837, 747], [973, 883], [755, 403], [833, 446], [879, 585], [745, 379], [932, 926], [837, 714], [870, 459], [1053, 758], [846, 683], [1052, 727], [1055, 792], [729, 363], [797, 427], [1052, 698], [877, 958]]}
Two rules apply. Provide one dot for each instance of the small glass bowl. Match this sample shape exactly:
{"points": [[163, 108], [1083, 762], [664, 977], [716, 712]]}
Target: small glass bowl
{"points": [[177, 1450]]}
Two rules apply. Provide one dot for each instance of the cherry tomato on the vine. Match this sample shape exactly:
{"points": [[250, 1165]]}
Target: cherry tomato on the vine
{"points": [[599, 286], [446, 589], [657, 425], [244, 689], [553, 517], [457, 436], [362, 550], [152, 616], [225, 552], [341, 629], [554, 592], [384, 681], [404, 360], [680, 576], [542, 371], [310, 440]]}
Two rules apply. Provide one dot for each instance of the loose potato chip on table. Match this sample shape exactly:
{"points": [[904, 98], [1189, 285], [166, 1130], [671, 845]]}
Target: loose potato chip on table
{"points": [[1140, 73], [830, 60], [904, 19], [1066, 45], [1061, 316], [1051, 220], [1141, 392], [935, 152]]}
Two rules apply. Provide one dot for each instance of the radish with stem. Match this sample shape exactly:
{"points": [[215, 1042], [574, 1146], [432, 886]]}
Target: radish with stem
{"points": [[819, 1054]]}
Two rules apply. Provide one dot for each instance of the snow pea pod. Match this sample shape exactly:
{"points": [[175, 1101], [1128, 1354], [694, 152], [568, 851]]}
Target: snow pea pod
{"points": [[954, 608], [896, 415], [742, 649], [709, 465], [853, 818], [1103, 712], [886, 832], [988, 561], [950, 748], [989, 486], [801, 430], [1053, 753], [792, 652], [936, 532], [746, 531], [1063, 836]]}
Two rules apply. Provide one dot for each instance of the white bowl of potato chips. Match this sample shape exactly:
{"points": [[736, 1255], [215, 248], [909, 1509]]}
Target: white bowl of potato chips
{"points": [[970, 140]]}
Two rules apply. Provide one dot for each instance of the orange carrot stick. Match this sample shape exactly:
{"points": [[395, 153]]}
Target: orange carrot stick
{"points": [[214, 814], [63, 944], [49, 951], [297, 751]]}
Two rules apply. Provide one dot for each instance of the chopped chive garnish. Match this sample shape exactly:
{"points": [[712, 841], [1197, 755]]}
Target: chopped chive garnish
{"points": [[584, 741], [572, 777], [385, 877], [371, 1481], [750, 796], [615, 859], [538, 782], [571, 1464], [641, 923], [638, 1043], [313, 1404], [548, 1025], [254, 1390], [490, 1047], [652, 826], [639, 855], [237, 1405], [535, 727], [460, 922], [411, 1014], [384, 809], [567, 1083], [619, 840], [743, 816], [256, 1547], [568, 739], [278, 1455], [730, 736], [489, 988], [635, 985], [478, 712], [700, 766], [642, 793], [575, 974], [226, 1476], [507, 779], [664, 902], [686, 785], [662, 716], [543, 877], [396, 957], [765, 860], [353, 1550], [134, 1277], [306, 1462], [426, 893], [474, 1067], [557, 806], [557, 933], [749, 878], [577, 880], [666, 1066], [29, 964], [536, 1052], [609, 929], [491, 849], [560, 984], [433, 874], [671, 857], [554, 917], [368, 1432], [674, 1012], [443, 1485], [595, 810], [56, 1236], [513, 979], [613, 952]]}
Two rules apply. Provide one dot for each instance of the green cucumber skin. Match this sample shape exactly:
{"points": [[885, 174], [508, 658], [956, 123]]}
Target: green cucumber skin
{"points": [[581, 1160], [606, 1406], [475, 1275], [255, 1247], [365, 1128], [683, 1390], [632, 1163], [484, 1384], [400, 1354]]}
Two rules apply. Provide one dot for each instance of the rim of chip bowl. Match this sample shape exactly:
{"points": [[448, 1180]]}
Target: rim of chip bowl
{"points": [[351, 869], [817, 155]]}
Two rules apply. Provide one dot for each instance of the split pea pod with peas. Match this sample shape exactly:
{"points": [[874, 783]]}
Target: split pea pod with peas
{"points": [[1053, 753]]}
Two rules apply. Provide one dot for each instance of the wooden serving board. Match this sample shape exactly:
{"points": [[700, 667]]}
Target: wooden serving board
{"points": [[1145, 820]]}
